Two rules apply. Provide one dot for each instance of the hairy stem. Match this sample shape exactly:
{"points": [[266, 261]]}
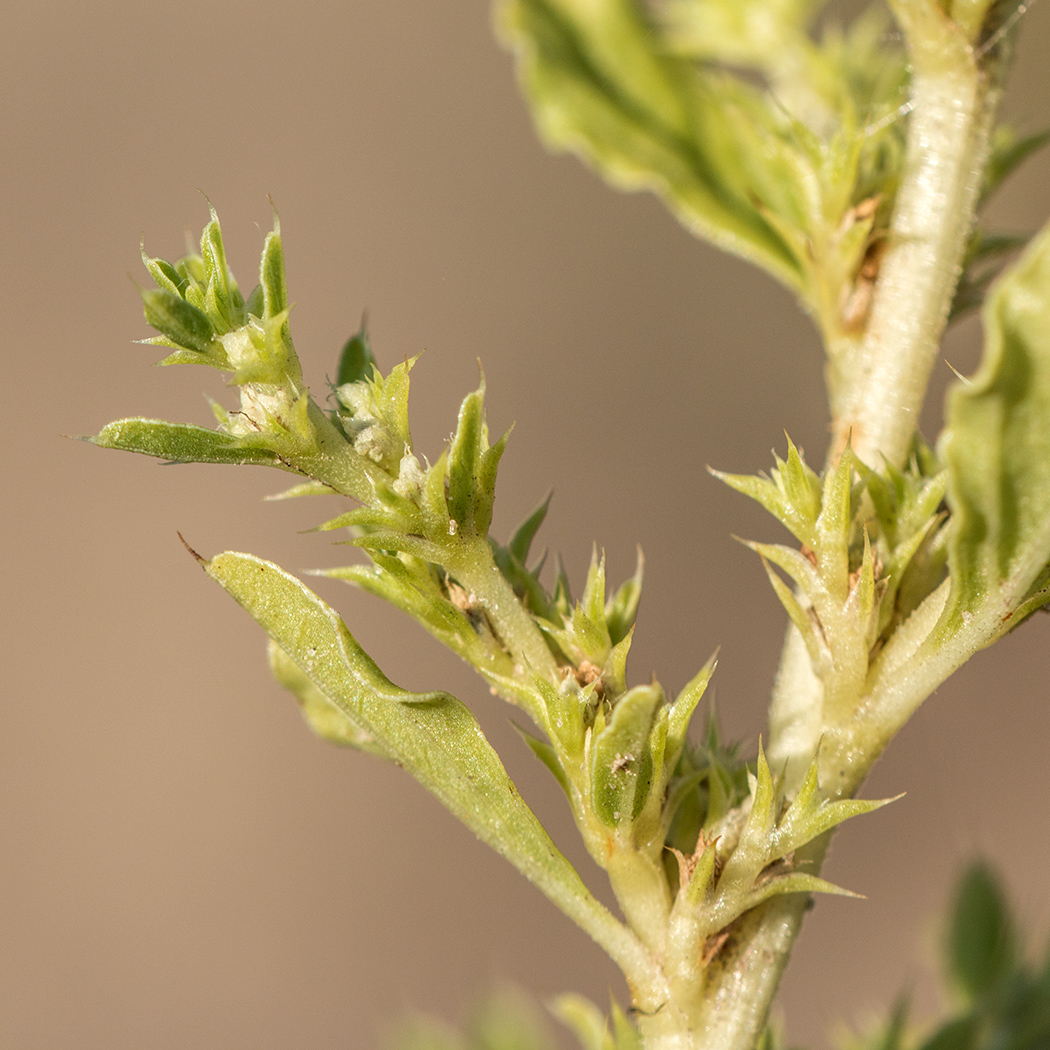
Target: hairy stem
{"points": [[953, 106]]}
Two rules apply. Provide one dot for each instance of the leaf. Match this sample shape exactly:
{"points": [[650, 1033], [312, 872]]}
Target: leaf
{"points": [[585, 1019], [603, 85], [180, 321], [996, 446], [681, 712], [432, 735], [356, 361], [525, 533], [322, 716], [183, 443], [509, 1020], [981, 947], [1008, 153]]}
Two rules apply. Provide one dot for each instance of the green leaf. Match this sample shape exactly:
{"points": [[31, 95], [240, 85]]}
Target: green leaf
{"points": [[271, 274], [602, 84], [996, 446], [1009, 152], [587, 1022], [432, 735], [622, 608], [509, 1020], [181, 322], [681, 712], [322, 716], [521, 541], [464, 461], [982, 946], [548, 755], [183, 443], [356, 360]]}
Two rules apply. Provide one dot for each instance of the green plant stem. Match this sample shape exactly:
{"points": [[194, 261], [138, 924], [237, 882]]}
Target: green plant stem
{"points": [[954, 104], [953, 108], [477, 573]]}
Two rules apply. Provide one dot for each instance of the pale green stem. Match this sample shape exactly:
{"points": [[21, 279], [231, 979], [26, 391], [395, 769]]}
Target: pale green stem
{"points": [[476, 571], [953, 110], [951, 120]]}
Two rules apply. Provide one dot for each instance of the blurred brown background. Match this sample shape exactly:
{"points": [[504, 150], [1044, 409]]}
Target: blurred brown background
{"points": [[182, 864]]}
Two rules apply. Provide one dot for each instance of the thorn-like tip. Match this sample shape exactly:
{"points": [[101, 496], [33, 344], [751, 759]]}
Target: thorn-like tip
{"points": [[202, 561]]}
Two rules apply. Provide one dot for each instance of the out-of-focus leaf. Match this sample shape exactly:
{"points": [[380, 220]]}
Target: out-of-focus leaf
{"points": [[996, 446], [602, 84], [981, 947]]}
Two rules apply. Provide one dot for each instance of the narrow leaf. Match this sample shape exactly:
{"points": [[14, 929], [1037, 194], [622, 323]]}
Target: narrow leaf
{"points": [[432, 735], [982, 945], [183, 443], [323, 717], [996, 446], [356, 361]]}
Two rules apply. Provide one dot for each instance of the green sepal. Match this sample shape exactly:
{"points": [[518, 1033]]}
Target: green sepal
{"points": [[271, 274], [622, 767], [838, 499], [588, 621], [681, 712], [177, 320], [321, 715], [700, 878], [521, 542], [464, 460], [996, 446], [431, 735], [621, 610], [254, 305], [567, 708], [356, 360], [614, 670], [488, 465], [373, 414], [223, 302], [166, 276], [184, 443]]}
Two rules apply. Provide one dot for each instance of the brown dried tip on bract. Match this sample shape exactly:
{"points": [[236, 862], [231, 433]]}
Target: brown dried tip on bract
{"points": [[687, 865], [857, 300], [202, 561], [587, 672], [713, 945]]}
